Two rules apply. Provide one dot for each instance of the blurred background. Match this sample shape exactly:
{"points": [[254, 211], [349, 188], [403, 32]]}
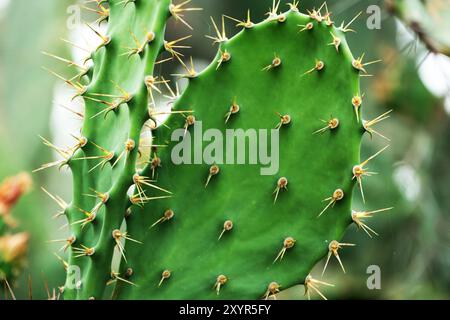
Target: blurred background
{"points": [[413, 248]]}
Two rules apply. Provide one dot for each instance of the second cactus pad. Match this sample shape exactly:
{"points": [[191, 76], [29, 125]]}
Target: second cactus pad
{"points": [[232, 230]]}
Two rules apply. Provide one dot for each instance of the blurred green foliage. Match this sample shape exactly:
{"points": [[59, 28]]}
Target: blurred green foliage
{"points": [[26, 93]]}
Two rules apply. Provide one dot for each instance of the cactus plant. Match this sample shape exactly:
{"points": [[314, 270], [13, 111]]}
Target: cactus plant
{"points": [[13, 245], [215, 229]]}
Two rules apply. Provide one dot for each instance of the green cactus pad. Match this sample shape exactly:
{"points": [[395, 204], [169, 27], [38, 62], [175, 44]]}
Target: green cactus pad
{"points": [[315, 165], [116, 107], [220, 228]]}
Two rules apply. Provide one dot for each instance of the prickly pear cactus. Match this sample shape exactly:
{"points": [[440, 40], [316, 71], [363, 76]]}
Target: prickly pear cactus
{"points": [[13, 244], [230, 226], [246, 235], [429, 20]]}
